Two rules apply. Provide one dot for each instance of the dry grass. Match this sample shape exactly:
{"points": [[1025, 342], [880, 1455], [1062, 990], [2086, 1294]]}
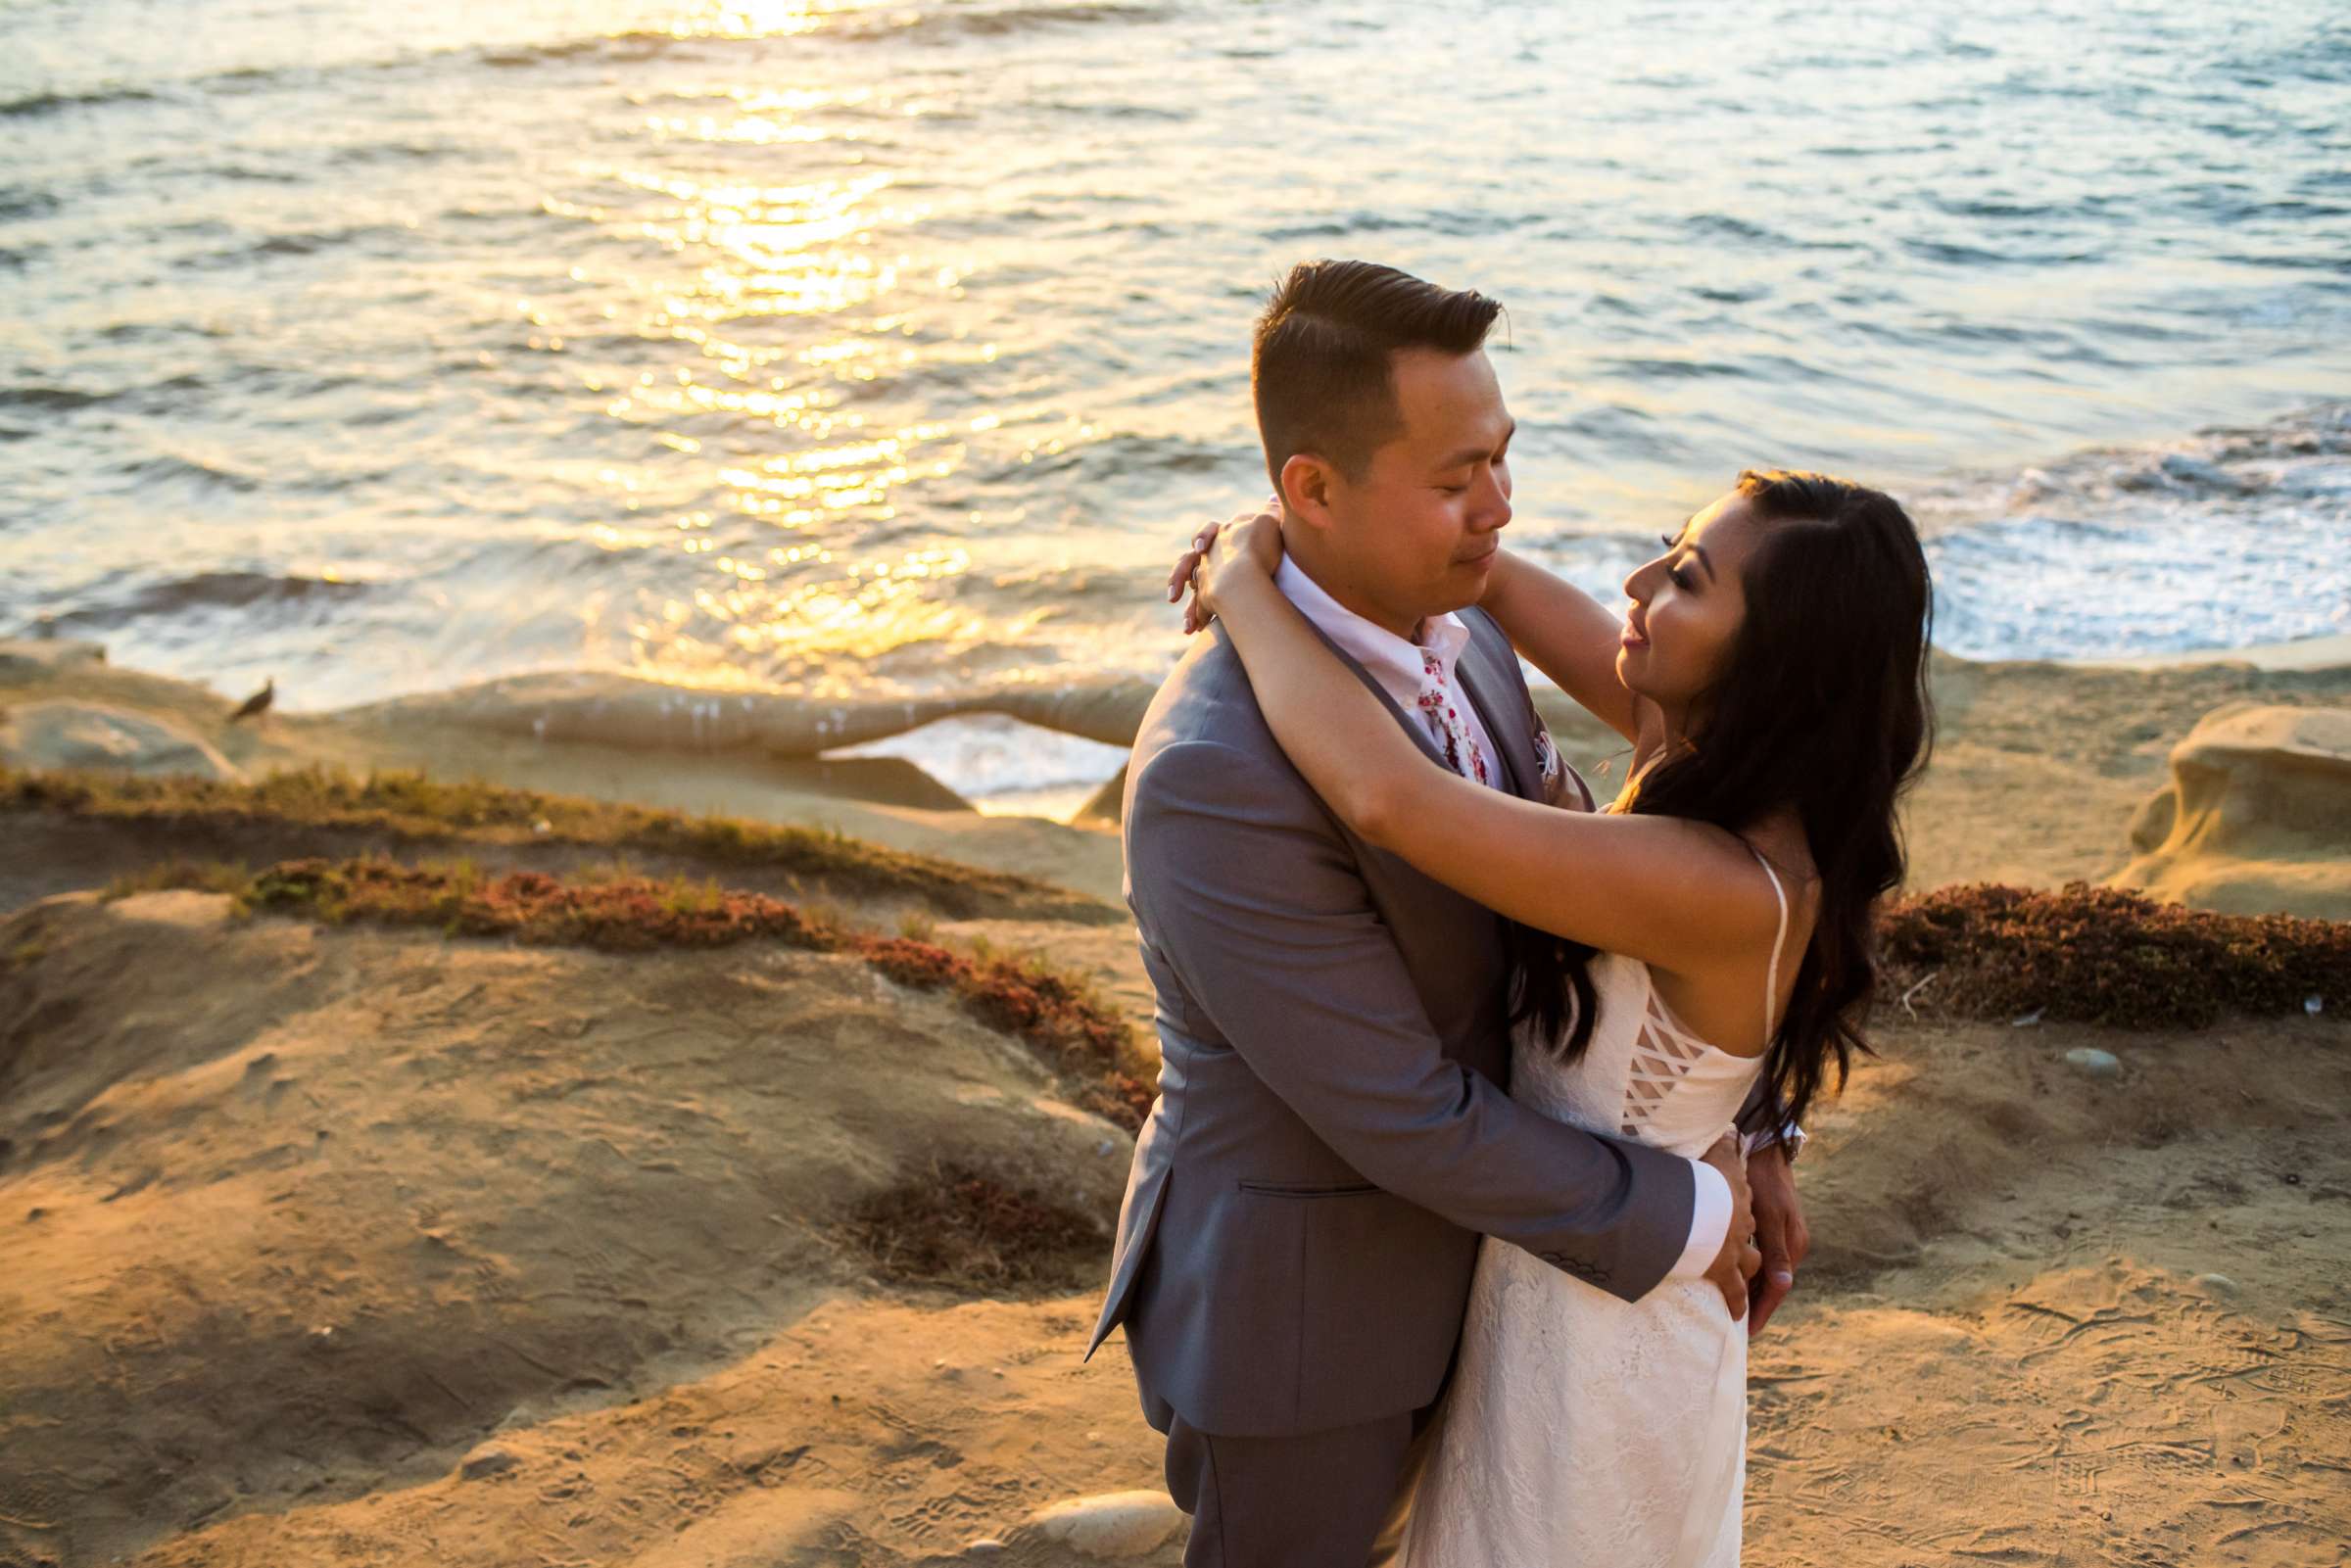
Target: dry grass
{"points": [[1078, 1034], [975, 1233], [2098, 955], [178, 872], [417, 806]]}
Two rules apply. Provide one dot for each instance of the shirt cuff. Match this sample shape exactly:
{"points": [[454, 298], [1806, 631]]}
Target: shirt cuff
{"points": [[1790, 1136], [1709, 1224]]}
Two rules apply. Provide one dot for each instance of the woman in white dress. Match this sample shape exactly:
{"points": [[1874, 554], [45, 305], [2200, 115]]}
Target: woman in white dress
{"points": [[1709, 926]]}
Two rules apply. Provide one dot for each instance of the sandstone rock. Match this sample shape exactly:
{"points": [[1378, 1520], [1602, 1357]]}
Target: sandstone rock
{"points": [[1106, 807], [1110, 1526], [93, 734], [23, 660], [2256, 819], [633, 714]]}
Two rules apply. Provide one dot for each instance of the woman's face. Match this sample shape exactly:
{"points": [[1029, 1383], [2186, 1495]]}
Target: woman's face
{"points": [[1687, 607]]}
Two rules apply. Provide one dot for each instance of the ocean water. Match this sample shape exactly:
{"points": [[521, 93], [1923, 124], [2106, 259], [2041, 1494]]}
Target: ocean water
{"points": [[852, 348]]}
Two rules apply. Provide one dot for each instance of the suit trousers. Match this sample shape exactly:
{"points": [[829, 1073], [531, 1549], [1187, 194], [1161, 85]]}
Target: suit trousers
{"points": [[1336, 1499]]}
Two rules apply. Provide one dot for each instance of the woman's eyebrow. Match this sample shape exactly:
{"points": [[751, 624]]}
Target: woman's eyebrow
{"points": [[1699, 550]]}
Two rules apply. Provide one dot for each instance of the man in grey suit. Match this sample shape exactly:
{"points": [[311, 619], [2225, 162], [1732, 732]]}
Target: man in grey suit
{"points": [[1333, 1133]]}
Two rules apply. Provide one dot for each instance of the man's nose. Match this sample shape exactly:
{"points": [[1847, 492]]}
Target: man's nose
{"points": [[1494, 509]]}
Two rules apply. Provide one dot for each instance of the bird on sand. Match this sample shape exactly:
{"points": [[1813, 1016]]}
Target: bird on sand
{"points": [[258, 703]]}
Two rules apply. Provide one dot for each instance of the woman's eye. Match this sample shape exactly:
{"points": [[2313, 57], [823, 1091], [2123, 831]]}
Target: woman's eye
{"points": [[1681, 579]]}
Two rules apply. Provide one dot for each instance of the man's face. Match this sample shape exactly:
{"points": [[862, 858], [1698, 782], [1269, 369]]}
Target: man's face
{"points": [[1416, 535]]}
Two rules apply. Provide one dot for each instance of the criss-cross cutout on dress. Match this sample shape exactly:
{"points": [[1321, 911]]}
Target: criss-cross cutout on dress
{"points": [[1664, 1052]]}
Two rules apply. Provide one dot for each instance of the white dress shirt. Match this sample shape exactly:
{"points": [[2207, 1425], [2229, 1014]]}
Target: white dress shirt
{"points": [[1396, 664]]}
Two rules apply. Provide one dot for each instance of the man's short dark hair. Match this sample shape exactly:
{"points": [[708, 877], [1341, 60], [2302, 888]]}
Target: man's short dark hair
{"points": [[1322, 368]]}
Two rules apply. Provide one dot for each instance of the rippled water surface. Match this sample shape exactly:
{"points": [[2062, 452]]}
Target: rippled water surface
{"points": [[856, 348]]}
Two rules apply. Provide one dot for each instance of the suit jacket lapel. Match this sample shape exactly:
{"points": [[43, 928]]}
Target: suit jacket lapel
{"points": [[1476, 675], [1411, 722]]}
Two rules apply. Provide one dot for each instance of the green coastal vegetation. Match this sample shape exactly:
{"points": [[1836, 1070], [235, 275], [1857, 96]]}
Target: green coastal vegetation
{"points": [[2099, 955], [415, 810]]}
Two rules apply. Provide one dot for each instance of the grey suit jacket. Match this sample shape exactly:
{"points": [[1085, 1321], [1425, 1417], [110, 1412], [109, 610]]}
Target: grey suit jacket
{"points": [[1331, 1132]]}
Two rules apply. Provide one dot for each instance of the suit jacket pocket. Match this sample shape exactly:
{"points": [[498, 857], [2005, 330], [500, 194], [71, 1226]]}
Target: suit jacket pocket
{"points": [[1285, 1189]]}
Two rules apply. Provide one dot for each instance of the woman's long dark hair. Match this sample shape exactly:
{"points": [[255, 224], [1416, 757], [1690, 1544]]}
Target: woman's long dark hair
{"points": [[1823, 706]]}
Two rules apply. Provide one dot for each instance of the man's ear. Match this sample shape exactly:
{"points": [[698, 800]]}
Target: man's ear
{"points": [[1306, 485]]}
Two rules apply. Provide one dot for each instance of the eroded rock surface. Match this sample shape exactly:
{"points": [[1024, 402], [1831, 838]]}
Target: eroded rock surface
{"points": [[96, 734], [2256, 819]]}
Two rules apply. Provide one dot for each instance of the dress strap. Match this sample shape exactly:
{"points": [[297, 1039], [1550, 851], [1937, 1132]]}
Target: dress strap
{"points": [[1771, 982]]}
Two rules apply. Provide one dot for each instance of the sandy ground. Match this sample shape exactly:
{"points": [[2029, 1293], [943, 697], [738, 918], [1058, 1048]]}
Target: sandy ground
{"points": [[359, 1248], [289, 1264], [305, 1236]]}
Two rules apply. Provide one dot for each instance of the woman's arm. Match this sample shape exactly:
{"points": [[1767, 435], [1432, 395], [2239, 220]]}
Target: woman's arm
{"points": [[1564, 632], [1679, 894]]}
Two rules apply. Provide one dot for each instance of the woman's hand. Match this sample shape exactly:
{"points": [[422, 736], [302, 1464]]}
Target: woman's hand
{"points": [[1249, 542]]}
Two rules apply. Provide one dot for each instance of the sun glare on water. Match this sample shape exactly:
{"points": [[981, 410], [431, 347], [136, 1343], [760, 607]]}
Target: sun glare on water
{"points": [[770, 18], [771, 299]]}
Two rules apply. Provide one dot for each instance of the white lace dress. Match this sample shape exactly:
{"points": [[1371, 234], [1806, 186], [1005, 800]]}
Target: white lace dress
{"points": [[1581, 1431]]}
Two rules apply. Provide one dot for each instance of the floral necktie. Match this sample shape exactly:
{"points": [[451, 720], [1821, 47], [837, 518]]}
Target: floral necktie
{"points": [[1461, 753]]}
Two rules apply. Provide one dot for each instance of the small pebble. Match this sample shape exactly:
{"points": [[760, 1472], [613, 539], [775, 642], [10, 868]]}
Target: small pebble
{"points": [[2094, 1061], [486, 1462], [2217, 1284], [2313, 1005], [2025, 1020]]}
